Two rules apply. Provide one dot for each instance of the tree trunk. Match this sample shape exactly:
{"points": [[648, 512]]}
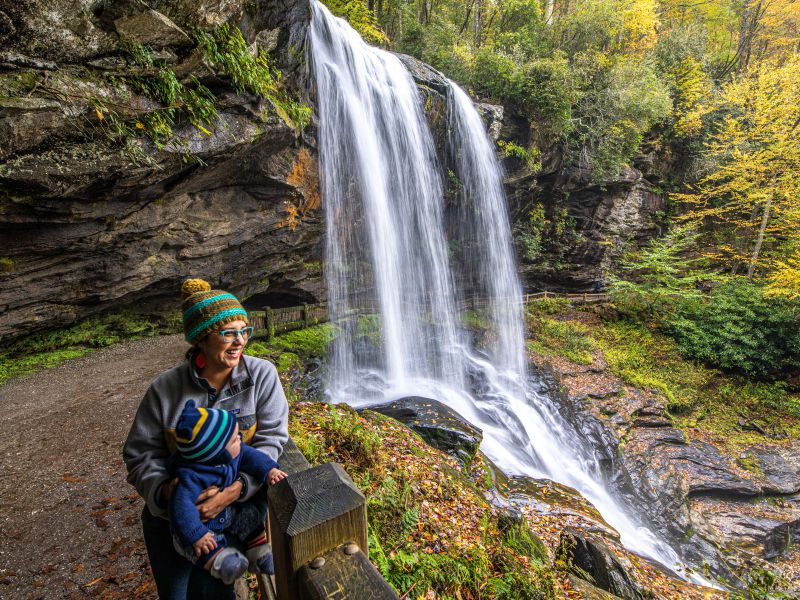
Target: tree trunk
{"points": [[477, 18], [760, 240], [548, 11]]}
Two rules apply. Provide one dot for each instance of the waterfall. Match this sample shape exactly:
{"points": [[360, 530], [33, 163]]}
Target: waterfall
{"points": [[389, 271]]}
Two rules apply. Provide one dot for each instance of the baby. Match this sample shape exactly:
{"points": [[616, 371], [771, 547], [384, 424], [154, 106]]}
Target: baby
{"points": [[210, 453]]}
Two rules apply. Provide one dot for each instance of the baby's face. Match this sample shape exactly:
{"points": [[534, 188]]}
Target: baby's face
{"points": [[234, 445]]}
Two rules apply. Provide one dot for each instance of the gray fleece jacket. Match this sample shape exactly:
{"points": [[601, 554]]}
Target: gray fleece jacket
{"points": [[253, 393]]}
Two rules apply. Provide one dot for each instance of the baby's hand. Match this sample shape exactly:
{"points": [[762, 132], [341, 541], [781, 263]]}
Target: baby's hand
{"points": [[205, 544], [275, 475]]}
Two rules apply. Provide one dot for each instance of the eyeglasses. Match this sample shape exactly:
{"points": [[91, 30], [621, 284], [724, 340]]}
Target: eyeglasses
{"points": [[228, 335]]}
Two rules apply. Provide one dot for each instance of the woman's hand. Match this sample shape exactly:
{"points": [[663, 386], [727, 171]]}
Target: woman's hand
{"points": [[213, 500], [205, 544], [275, 475]]}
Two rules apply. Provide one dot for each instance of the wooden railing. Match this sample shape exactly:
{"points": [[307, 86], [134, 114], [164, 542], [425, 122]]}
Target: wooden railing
{"points": [[318, 527], [272, 321]]}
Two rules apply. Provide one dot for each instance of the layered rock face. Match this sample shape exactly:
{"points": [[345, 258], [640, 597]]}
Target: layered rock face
{"points": [[89, 224]]}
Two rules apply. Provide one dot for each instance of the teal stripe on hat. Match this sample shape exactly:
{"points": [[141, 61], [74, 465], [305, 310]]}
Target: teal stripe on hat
{"points": [[203, 303], [215, 319], [212, 445], [205, 432]]}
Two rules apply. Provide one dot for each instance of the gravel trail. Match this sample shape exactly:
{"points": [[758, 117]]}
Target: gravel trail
{"points": [[69, 522]]}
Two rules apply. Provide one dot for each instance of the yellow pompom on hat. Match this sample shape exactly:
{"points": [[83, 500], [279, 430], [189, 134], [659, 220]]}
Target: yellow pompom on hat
{"points": [[205, 309]]}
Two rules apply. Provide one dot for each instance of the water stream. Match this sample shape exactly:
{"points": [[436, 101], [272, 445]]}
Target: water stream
{"points": [[389, 268]]}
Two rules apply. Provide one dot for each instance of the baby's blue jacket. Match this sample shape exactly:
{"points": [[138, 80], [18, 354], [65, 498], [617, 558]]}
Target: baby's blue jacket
{"points": [[196, 477]]}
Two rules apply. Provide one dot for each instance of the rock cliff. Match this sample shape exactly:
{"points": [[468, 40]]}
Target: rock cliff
{"points": [[92, 221]]}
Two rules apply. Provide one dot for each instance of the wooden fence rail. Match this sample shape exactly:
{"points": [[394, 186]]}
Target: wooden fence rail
{"points": [[272, 321]]}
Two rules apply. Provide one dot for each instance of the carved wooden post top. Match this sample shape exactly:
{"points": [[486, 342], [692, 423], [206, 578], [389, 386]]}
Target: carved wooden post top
{"points": [[312, 512]]}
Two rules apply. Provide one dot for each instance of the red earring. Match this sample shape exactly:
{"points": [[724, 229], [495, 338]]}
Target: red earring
{"points": [[200, 360]]}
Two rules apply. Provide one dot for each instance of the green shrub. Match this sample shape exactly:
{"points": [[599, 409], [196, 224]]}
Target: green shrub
{"points": [[739, 329]]}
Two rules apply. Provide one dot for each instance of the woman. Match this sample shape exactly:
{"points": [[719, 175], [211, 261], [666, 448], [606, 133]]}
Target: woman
{"points": [[216, 375]]}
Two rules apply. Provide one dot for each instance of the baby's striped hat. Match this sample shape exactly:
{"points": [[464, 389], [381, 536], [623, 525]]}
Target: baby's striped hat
{"points": [[202, 433]]}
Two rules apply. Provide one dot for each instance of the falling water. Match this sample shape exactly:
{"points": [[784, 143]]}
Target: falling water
{"points": [[389, 273]]}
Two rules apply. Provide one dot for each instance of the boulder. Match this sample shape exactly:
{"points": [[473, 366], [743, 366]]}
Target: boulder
{"points": [[150, 28], [439, 425], [780, 467], [590, 558], [764, 527], [588, 591]]}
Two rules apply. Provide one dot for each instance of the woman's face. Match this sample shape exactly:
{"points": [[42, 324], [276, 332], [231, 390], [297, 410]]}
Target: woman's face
{"points": [[222, 355]]}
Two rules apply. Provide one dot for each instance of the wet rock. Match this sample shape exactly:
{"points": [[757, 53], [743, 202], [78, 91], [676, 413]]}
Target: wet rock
{"points": [[589, 556], [424, 74], [150, 28], [588, 591], [366, 351], [439, 425], [764, 527], [604, 215], [780, 466], [492, 115], [665, 453], [552, 497]]}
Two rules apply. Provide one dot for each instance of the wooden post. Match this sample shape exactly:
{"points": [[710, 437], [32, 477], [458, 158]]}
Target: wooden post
{"points": [[306, 316], [584, 296], [310, 513], [269, 322]]}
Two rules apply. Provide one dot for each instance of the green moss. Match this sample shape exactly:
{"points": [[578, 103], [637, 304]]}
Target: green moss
{"points": [[475, 320], [309, 342], [313, 266], [287, 362], [749, 462], [7, 265], [47, 349], [560, 338], [13, 368]]}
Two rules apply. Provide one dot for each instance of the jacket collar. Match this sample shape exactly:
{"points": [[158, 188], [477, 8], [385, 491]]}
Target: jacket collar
{"points": [[239, 380]]}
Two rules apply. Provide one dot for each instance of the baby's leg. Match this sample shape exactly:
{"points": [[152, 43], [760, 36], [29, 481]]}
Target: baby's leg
{"points": [[223, 562], [248, 525]]}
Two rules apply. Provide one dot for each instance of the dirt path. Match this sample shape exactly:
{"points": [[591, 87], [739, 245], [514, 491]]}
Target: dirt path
{"points": [[69, 522]]}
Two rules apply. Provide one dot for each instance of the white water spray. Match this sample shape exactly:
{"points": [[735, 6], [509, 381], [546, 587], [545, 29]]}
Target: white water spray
{"points": [[389, 275]]}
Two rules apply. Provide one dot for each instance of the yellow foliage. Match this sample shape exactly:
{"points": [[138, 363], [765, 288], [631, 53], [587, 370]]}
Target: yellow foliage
{"points": [[640, 24], [753, 192], [785, 279], [691, 86]]}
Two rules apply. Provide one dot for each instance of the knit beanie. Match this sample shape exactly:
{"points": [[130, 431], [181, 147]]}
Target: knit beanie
{"points": [[202, 433], [204, 309]]}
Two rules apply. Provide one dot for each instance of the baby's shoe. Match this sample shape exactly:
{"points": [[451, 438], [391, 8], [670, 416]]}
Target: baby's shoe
{"points": [[229, 565], [261, 560]]}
